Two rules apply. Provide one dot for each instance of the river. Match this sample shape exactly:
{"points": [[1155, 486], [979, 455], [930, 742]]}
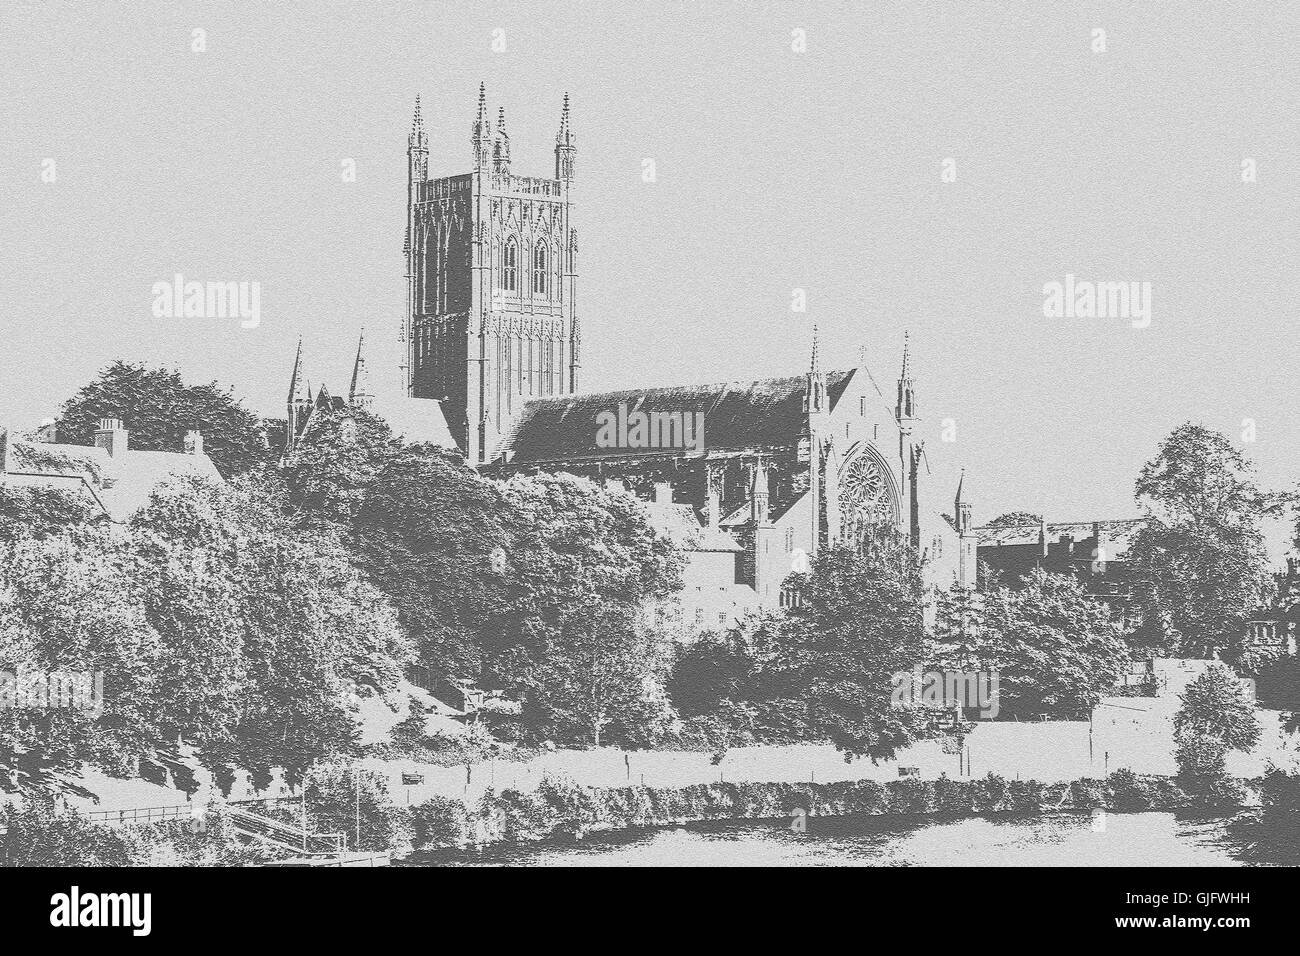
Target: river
{"points": [[1063, 839]]}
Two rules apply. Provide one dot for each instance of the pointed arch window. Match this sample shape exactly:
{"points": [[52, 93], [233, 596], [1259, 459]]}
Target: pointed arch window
{"points": [[540, 269], [510, 266]]}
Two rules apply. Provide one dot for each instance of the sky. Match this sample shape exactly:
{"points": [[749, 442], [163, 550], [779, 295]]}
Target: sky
{"points": [[776, 169]]}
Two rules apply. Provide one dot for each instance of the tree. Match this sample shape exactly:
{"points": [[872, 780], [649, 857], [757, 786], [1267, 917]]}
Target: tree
{"points": [[599, 668], [309, 632], [39, 511], [1199, 561], [959, 630], [332, 467], [159, 408], [1217, 715], [432, 535], [1056, 650], [576, 643], [860, 623]]}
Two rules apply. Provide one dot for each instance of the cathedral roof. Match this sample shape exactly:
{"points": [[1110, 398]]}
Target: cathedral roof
{"points": [[738, 416]]}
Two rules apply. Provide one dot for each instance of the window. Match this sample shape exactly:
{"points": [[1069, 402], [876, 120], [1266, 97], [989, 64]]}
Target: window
{"points": [[510, 267], [539, 269]]}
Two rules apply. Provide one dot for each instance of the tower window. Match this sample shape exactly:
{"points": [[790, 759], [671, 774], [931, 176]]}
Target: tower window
{"points": [[539, 269], [510, 267]]}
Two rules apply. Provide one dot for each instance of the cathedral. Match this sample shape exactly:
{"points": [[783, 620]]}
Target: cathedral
{"points": [[783, 467]]}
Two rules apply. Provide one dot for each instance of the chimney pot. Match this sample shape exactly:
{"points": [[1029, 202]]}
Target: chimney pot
{"points": [[111, 436], [194, 442]]}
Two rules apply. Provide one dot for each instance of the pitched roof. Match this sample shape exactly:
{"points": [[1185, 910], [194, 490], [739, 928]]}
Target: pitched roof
{"points": [[680, 525], [767, 413], [122, 483]]}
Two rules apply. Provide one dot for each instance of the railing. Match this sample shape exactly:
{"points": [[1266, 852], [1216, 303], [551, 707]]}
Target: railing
{"points": [[265, 829], [143, 814]]}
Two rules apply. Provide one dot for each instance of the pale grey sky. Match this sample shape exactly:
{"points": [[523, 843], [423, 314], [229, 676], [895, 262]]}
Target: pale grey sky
{"points": [[776, 169]]}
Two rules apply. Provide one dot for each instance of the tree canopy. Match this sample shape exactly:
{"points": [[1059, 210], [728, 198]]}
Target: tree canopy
{"points": [[1199, 562], [158, 408]]}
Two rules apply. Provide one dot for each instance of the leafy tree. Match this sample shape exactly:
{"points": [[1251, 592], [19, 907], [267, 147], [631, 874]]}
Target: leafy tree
{"points": [[1217, 715], [39, 511], [576, 643], [335, 462], [158, 408], [310, 632], [71, 604], [860, 623], [959, 630], [1199, 561], [432, 535], [596, 669], [1055, 648]]}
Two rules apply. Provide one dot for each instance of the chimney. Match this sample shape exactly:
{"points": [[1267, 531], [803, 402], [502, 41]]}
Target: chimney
{"points": [[663, 493], [193, 442], [1042, 536], [1100, 543], [111, 436]]}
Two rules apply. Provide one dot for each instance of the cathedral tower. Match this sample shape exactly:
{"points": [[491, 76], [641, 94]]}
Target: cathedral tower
{"points": [[492, 319]]}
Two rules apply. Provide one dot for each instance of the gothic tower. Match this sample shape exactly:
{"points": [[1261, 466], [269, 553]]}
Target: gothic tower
{"points": [[492, 317]]}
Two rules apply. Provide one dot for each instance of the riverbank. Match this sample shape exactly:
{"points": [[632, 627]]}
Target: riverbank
{"points": [[562, 809]]}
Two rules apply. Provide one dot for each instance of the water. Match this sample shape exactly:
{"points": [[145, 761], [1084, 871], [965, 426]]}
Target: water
{"points": [[1065, 839]]}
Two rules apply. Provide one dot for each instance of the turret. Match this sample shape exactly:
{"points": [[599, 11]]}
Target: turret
{"points": [[501, 145], [481, 137], [758, 495], [961, 509], [566, 146]]}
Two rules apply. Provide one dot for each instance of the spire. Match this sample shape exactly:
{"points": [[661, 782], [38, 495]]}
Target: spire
{"points": [[814, 399], [299, 390], [905, 409], [417, 152], [566, 146], [359, 393], [482, 133]]}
